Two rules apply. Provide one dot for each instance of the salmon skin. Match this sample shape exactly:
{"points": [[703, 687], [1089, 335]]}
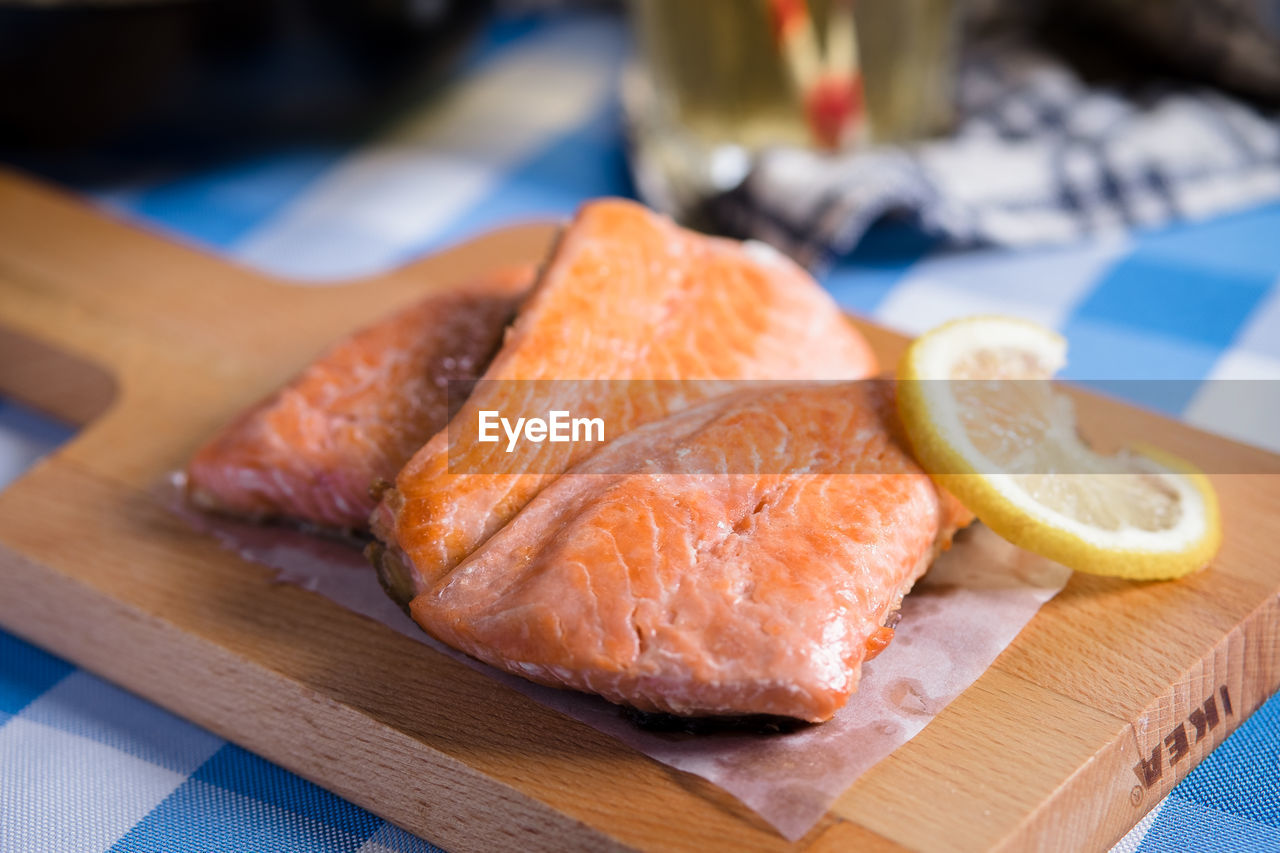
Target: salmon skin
{"points": [[710, 595], [626, 294], [311, 451]]}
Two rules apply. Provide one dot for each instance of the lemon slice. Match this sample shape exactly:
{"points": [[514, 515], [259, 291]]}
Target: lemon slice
{"points": [[989, 428]]}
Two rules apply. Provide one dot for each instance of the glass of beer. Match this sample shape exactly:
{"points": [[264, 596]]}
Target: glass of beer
{"points": [[719, 80]]}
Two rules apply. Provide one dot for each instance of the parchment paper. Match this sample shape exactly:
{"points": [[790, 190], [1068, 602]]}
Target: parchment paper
{"points": [[961, 615]]}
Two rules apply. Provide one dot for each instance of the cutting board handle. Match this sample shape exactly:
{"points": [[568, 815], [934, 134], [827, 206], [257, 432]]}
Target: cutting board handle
{"points": [[91, 286], [139, 315]]}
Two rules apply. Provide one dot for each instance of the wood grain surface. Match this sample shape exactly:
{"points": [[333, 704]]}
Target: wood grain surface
{"points": [[1109, 696]]}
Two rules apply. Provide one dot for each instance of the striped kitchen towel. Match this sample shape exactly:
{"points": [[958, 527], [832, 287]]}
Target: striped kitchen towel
{"points": [[1038, 157]]}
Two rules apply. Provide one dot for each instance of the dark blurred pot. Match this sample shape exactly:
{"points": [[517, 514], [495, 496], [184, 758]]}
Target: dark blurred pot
{"points": [[75, 73], [1233, 43]]}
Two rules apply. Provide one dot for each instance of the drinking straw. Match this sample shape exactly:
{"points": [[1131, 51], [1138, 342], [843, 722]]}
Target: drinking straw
{"points": [[827, 83], [797, 41]]}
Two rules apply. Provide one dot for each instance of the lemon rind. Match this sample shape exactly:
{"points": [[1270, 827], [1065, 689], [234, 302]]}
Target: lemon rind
{"points": [[941, 444]]}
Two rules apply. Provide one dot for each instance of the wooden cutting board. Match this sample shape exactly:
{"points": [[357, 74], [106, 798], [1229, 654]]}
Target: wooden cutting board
{"points": [[1112, 693]]}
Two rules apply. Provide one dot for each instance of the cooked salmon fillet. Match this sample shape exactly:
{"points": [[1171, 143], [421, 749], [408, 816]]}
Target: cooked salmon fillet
{"points": [[626, 294], [312, 450], [642, 578]]}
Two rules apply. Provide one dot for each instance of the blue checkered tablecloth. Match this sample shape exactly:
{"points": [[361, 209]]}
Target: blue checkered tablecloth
{"points": [[85, 766]]}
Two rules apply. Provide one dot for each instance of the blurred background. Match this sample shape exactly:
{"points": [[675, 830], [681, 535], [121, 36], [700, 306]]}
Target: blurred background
{"points": [[1107, 167], [803, 122], [1110, 168]]}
